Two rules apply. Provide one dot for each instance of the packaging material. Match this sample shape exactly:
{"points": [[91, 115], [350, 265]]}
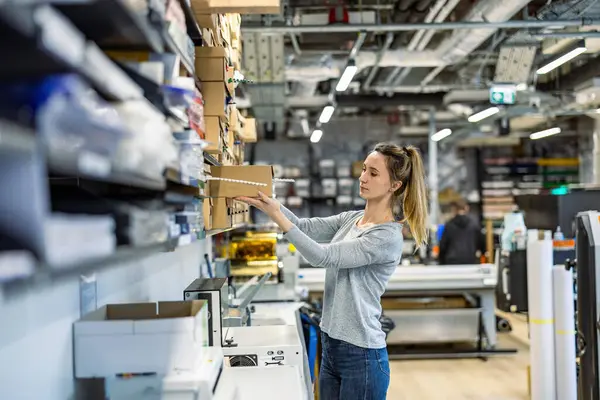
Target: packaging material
{"points": [[70, 117], [226, 157], [151, 149], [70, 238], [140, 338], [196, 115], [254, 178], [191, 157]]}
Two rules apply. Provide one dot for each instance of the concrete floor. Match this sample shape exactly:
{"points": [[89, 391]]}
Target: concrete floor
{"points": [[499, 378]]}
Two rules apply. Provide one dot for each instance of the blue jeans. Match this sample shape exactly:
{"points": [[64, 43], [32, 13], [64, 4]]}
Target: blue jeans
{"points": [[350, 372]]}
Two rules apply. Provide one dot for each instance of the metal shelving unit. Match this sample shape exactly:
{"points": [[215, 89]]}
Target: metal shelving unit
{"points": [[68, 37], [45, 275]]}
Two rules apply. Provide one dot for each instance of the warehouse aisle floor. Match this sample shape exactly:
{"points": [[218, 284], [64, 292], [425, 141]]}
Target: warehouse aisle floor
{"points": [[499, 378]]}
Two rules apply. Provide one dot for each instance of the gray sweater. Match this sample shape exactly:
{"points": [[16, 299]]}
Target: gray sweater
{"points": [[359, 262]]}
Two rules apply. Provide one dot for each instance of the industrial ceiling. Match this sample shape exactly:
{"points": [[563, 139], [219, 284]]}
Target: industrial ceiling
{"points": [[414, 55]]}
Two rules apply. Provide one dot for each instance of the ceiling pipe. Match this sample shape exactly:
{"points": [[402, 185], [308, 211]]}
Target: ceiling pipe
{"points": [[435, 26], [436, 14], [459, 45], [405, 99], [388, 43]]}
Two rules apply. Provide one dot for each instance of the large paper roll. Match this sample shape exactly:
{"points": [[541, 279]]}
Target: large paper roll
{"points": [[564, 334], [541, 319]]}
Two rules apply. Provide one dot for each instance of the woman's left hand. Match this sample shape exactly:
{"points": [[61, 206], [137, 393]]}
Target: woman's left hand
{"points": [[266, 204]]}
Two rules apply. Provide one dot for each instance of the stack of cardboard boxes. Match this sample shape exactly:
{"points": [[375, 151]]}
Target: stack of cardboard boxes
{"points": [[226, 129]]}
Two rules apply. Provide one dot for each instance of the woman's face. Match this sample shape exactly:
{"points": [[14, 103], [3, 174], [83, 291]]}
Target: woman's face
{"points": [[375, 180]]}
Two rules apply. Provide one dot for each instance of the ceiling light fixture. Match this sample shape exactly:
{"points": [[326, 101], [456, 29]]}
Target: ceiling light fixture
{"points": [[444, 133], [326, 114], [544, 133], [579, 49], [316, 136], [481, 115], [346, 77]]}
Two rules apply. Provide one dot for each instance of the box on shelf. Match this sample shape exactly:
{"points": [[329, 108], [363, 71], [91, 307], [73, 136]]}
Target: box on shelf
{"points": [[140, 338], [211, 69], [214, 134], [207, 211], [262, 174], [245, 6], [248, 132], [215, 96], [222, 215]]}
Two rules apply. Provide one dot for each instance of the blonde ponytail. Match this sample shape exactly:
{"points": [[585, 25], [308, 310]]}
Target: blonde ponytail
{"points": [[405, 165], [415, 198]]}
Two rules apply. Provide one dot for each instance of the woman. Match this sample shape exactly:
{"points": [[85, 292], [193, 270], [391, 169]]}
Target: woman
{"points": [[363, 251]]}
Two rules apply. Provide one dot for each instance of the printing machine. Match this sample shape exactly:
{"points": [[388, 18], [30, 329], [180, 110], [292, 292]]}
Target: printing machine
{"points": [[202, 383], [422, 325], [588, 301]]}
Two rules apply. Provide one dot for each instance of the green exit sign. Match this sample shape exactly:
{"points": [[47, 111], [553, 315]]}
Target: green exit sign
{"points": [[503, 94]]}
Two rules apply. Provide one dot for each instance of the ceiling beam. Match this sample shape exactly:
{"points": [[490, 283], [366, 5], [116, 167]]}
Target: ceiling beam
{"points": [[404, 99]]}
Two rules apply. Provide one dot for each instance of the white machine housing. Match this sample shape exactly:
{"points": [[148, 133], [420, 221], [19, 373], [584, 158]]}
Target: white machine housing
{"points": [[201, 384], [266, 383], [264, 346]]}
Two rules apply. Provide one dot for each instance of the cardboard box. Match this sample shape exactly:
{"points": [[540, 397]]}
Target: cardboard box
{"points": [[215, 96], [214, 134], [253, 173], [248, 132], [207, 211], [245, 6], [211, 52], [222, 213], [211, 69], [140, 338]]}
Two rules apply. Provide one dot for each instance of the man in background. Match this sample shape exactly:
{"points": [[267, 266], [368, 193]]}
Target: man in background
{"points": [[462, 241]]}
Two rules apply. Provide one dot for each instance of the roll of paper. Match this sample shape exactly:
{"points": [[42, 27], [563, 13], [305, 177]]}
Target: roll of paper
{"points": [[541, 319], [564, 334]]}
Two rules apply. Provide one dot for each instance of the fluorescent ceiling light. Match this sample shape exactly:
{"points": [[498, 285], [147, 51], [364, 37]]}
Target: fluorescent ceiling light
{"points": [[316, 136], [545, 133], [326, 114], [483, 114], [304, 124], [346, 78], [444, 133], [561, 60]]}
